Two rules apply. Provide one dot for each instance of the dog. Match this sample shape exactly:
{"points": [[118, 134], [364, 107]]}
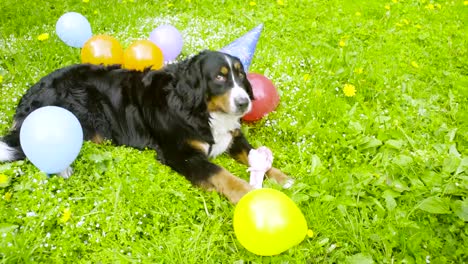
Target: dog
{"points": [[188, 112]]}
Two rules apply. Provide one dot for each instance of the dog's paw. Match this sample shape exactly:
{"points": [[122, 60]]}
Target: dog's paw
{"points": [[289, 183], [66, 173], [280, 177]]}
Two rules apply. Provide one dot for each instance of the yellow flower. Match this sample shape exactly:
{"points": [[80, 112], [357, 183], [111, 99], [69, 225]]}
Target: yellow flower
{"points": [[43, 36], [349, 90], [387, 7], [85, 1], [66, 215], [306, 77], [3, 180], [280, 2], [342, 43], [358, 13], [358, 70], [465, 2], [430, 7], [310, 233], [414, 64], [1, 78], [7, 196], [252, 3]]}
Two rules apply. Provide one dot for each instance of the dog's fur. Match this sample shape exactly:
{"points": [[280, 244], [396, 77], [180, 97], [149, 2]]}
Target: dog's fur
{"points": [[187, 112]]}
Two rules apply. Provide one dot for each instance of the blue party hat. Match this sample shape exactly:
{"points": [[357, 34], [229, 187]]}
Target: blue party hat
{"points": [[244, 47]]}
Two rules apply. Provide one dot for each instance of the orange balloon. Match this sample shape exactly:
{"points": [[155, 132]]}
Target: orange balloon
{"points": [[102, 49], [143, 54]]}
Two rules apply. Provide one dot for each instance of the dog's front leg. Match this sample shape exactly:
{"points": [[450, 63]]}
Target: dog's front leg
{"points": [[201, 172], [240, 149]]}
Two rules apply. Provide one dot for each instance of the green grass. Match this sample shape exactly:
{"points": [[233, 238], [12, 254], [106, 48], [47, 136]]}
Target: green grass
{"points": [[381, 176]]}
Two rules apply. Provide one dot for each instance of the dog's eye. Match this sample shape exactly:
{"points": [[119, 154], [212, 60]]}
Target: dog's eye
{"points": [[241, 75], [220, 78]]}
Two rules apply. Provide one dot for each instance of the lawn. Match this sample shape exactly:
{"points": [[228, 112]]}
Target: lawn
{"points": [[381, 175]]}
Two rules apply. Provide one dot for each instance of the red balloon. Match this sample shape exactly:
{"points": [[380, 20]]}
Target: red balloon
{"points": [[265, 94]]}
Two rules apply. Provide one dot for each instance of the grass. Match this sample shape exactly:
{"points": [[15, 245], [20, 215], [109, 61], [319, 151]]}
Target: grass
{"points": [[381, 175]]}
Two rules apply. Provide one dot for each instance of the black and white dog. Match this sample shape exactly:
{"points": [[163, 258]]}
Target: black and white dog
{"points": [[187, 112]]}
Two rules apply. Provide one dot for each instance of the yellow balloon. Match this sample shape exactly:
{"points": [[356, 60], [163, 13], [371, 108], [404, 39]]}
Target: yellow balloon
{"points": [[142, 54], [267, 222], [102, 49]]}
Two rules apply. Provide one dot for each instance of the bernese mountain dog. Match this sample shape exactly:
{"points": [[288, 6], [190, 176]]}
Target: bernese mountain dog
{"points": [[187, 112]]}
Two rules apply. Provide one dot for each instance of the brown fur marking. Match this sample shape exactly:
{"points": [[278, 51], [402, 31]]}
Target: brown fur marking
{"points": [[277, 175], [229, 185], [219, 103], [98, 139], [199, 145], [224, 70]]}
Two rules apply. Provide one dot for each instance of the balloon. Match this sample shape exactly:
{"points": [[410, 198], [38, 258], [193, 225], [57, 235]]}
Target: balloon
{"points": [[102, 49], [265, 94], [51, 137], [73, 29], [267, 222], [169, 40], [142, 54]]}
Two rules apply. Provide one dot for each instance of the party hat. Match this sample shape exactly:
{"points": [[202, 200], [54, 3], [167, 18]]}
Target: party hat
{"points": [[244, 47]]}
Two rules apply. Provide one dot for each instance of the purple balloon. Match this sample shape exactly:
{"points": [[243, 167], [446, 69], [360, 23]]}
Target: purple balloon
{"points": [[169, 40]]}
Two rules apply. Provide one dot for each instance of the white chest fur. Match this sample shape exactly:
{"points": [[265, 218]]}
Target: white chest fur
{"points": [[221, 127]]}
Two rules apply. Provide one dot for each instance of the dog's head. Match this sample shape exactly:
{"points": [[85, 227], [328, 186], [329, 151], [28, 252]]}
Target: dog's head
{"points": [[221, 82]]}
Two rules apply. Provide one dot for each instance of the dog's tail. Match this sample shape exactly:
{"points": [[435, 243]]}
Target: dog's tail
{"points": [[10, 147]]}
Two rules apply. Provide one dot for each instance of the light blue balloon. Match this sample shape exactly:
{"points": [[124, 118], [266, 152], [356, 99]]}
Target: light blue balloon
{"points": [[73, 29], [51, 137]]}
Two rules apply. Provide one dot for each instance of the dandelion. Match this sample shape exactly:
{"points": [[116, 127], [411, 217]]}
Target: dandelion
{"points": [[465, 2], [342, 43], [85, 1], [306, 77], [7, 196], [430, 7], [414, 64], [358, 70], [3, 180], [358, 14], [252, 3], [44, 36], [310, 233], [387, 7], [66, 215], [349, 90], [280, 2]]}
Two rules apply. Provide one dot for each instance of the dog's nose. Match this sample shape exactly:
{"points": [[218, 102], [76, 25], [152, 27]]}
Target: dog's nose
{"points": [[242, 103]]}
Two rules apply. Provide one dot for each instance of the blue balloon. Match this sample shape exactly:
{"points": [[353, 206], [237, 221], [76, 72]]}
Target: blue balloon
{"points": [[51, 137], [73, 29]]}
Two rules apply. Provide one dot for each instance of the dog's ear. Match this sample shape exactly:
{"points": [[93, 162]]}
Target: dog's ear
{"points": [[248, 87], [191, 84]]}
